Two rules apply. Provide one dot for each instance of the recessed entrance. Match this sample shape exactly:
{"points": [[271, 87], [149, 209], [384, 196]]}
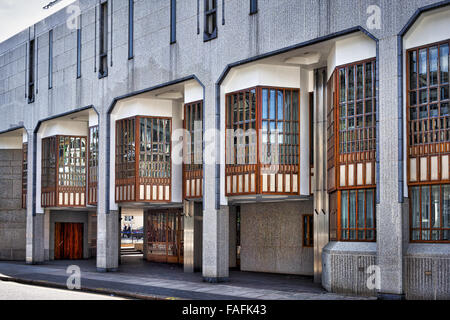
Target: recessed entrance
{"points": [[68, 241], [165, 236]]}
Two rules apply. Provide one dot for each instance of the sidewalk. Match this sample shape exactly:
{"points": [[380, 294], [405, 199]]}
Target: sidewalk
{"points": [[145, 280]]}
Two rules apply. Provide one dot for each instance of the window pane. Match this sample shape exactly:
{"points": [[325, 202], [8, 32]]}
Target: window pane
{"points": [[435, 207], [446, 211], [351, 83], [361, 206], [359, 81], [352, 216], [368, 80], [265, 106], [433, 66], [370, 205], [423, 68], [413, 70], [444, 63], [344, 210], [342, 86], [425, 211], [280, 105]]}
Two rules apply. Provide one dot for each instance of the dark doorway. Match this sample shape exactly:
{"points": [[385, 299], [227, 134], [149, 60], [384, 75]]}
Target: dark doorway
{"points": [[165, 236], [68, 241]]}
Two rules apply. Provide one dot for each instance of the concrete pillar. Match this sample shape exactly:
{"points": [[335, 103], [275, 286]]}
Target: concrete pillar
{"points": [[35, 221], [321, 232], [108, 224], [193, 222], [233, 235], [389, 210], [215, 217]]}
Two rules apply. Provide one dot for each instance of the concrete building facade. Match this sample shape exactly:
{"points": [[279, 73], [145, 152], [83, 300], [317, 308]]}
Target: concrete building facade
{"points": [[295, 137]]}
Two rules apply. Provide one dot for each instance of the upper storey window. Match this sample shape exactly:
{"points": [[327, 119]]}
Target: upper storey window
{"points": [[262, 146], [356, 108], [253, 6], [351, 139], [103, 69], [63, 171], [428, 94], [428, 142], [193, 150], [210, 20], [143, 159], [93, 165], [31, 72]]}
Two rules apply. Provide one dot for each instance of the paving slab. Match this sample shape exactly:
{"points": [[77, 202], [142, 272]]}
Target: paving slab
{"points": [[146, 280]]}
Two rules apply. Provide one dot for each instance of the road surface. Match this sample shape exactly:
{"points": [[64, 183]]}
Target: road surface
{"points": [[16, 291]]}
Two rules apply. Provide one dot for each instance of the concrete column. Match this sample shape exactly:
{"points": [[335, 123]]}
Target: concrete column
{"points": [[215, 217], [232, 229], [35, 221], [47, 234], [389, 210], [321, 232], [193, 222], [107, 220]]}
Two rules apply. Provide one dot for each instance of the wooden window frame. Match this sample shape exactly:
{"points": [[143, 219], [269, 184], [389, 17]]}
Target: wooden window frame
{"points": [[210, 12], [430, 229], [364, 155], [357, 229], [50, 192], [103, 38], [427, 128], [258, 167], [92, 167], [308, 230], [192, 171], [131, 185]]}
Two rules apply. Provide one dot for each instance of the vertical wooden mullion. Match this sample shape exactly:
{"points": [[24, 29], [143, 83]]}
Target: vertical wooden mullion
{"points": [[137, 152], [56, 169]]}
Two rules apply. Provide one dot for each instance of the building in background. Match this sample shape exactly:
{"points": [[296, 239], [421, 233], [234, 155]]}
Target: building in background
{"points": [[308, 138]]}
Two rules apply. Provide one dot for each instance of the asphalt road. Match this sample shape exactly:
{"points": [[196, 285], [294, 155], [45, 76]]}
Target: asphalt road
{"points": [[16, 291]]}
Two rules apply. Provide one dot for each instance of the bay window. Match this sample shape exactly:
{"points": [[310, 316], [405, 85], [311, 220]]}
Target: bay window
{"points": [[143, 159], [351, 136], [428, 143], [193, 150], [63, 179], [93, 165], [262, 141]]}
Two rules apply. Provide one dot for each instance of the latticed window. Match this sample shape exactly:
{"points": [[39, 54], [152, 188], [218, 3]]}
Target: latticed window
{"points": [[430, 213], [93, 165], [357, 215], [262, 141], [428, 95], [351, 152], [193, 150], [144, 175], [356, 108], [428, 141], [64, 171]]}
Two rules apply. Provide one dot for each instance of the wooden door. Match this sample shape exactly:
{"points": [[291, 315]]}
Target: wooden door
{"points": [[68, 241]]}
